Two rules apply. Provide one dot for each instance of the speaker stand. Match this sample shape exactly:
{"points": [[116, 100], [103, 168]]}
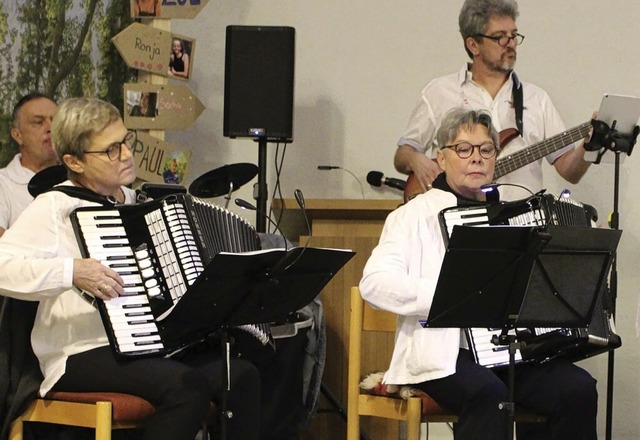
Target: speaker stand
{"points": [[260, 189]]}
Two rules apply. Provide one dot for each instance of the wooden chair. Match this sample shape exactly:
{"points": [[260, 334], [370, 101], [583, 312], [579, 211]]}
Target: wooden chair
{"points": [[414, 410], [364, 318], [103, 412]]}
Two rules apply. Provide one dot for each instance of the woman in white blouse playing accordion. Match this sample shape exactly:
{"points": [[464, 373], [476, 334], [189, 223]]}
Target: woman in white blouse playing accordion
{"points": [[401, 276], [41, 261]]}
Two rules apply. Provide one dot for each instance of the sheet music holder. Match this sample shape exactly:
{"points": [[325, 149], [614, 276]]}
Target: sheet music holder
{"points": [[518, 276], [249, 288], [253, 287], [507, 277]]}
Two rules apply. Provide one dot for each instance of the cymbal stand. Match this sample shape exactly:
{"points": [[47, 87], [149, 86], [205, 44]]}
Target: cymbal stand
{"points": [[227, 197]]}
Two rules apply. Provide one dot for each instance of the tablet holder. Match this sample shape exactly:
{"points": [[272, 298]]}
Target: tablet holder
{"points": [[607, 138]]}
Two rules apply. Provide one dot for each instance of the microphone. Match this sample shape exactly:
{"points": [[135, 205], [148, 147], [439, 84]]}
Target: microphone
{"points": [[297, 193], [377, 179], [334, 167], [245, 205], [300, 200]]}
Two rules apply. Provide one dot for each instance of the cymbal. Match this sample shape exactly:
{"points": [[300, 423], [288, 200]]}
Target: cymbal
{"points": [[47, 178], [217, 182]]}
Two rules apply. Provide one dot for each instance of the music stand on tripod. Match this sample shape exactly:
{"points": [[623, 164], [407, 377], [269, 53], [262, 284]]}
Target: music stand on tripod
{"points": [[250, 288], [521, 277]]}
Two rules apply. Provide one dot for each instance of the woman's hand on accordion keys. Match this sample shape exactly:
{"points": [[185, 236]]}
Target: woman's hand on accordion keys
{"points": [[89, 275]]}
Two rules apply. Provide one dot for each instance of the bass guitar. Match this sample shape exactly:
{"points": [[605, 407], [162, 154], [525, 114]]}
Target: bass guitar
{"points": [[512, 162]]}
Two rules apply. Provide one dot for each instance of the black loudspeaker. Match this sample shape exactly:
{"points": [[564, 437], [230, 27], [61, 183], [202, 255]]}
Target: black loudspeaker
{"points": [[258, 82]]}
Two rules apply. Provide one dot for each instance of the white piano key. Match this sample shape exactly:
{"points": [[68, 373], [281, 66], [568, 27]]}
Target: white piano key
{"points": [[130, 320], [125, 300], [131, 348], [124, 311], [129, 340], [132, 279], [141, 329], [124, 261], [106, 241], [133, 290], [93, 231], [101, 253]]}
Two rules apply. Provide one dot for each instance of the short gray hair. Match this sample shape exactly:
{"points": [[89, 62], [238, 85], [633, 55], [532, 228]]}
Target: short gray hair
{"points": [[475, 15], [460, 118], [77, 121]]}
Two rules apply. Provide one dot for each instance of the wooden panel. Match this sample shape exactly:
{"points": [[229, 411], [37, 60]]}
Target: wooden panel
{"points": [[355, 225], [378, 320]]}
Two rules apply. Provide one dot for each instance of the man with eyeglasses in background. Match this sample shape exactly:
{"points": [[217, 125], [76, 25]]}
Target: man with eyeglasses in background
{"points": [[31, 131], [490, 35]]}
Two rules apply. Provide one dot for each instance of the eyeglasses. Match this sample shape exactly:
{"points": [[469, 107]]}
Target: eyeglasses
{"points": [[114, 151], [504, 40], [464, 150]]}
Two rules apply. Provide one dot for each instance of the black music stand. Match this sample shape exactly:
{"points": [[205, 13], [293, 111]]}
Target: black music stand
{"points": [[521, 277], [249, 288]]}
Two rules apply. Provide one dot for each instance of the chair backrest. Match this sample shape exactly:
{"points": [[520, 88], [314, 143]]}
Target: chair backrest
{"points": [[374, 319], [364, 318]]}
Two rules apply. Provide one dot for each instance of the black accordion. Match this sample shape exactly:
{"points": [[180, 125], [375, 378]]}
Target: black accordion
{"points": [[539, 344], [160, 248]]}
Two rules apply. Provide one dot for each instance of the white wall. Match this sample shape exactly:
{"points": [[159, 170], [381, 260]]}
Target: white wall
{"points": [[359, 67]]}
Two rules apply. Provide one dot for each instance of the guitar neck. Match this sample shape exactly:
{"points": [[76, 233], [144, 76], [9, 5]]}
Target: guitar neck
{"points": [[510, 163]]}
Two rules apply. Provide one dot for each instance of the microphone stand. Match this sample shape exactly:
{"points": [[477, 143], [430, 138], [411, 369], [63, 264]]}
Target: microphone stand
{"points": [[606, 138], [613, 287], [227, 198]]}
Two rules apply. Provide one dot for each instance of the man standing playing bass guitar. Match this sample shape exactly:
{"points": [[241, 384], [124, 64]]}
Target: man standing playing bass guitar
{"points": [[490, 36]]}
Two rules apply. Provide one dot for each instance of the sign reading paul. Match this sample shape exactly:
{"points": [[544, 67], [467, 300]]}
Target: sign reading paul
{"points": [[159, 161], [166, 8]]}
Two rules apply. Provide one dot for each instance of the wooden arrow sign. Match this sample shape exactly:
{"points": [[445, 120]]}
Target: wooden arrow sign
{"points": [[149, 49], [166, 8], [160, 107], [158, 161]]}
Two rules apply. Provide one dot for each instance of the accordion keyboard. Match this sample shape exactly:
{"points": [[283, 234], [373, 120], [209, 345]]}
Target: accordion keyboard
{"points": [[159, 249]]}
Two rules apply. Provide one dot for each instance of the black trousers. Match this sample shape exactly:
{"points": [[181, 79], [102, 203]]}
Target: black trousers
{"points": [[181, 389], [282, 386], [565, 393]]}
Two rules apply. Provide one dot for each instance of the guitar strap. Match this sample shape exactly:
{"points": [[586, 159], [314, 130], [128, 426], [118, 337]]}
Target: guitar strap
{"points": [[518, 103]]}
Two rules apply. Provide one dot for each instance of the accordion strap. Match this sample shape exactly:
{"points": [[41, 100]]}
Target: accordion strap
{"points": [[83, 193]]}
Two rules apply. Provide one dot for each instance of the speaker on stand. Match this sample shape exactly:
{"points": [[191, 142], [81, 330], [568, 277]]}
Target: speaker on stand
{"points": [[258, 93]]}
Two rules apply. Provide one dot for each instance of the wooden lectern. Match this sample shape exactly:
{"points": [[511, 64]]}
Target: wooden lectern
{"points": [[344, 224]]}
